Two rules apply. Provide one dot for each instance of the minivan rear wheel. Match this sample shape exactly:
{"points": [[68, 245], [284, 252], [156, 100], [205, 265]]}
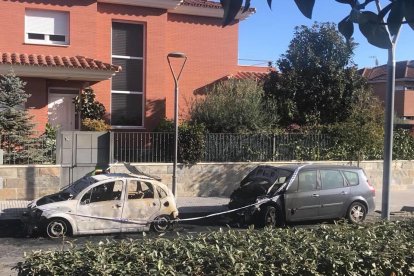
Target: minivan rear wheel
{"points": [[356, 212]]}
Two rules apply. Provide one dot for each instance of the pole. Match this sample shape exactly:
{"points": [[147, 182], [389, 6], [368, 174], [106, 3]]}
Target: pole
{"points": [[176, 79], [174, 180], [388, 135]]}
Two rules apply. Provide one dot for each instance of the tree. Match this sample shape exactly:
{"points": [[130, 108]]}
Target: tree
{"points": [[361, 135], [232, 106], [91, 111], [318, 82], [15, 122], [88, 106]]}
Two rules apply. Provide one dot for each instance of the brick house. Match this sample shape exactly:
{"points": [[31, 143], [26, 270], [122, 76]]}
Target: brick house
{"points": [[404, 87], [119, 48]]}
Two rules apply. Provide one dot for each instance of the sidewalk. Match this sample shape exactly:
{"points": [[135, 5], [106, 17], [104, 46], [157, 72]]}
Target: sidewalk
{"points": [[400, 201]]}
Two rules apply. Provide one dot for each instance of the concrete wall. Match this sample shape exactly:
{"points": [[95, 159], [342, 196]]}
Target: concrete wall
{"points": [[28, 182], [204, 179]]}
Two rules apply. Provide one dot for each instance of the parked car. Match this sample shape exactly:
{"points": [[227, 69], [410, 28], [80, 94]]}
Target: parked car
{"points": [[104, 203], [302, 192]]}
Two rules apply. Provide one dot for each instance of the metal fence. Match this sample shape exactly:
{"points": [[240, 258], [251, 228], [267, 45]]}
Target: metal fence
{"points": [[143, 147], [18, 149], [158, 147], [221, 147]]}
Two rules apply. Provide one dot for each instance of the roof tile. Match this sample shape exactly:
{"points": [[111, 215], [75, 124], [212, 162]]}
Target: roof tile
{"points": [[205, 4], [403, 70], [80, 62]]}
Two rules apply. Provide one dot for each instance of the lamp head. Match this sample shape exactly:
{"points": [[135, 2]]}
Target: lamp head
{"points": [[176, 55]]}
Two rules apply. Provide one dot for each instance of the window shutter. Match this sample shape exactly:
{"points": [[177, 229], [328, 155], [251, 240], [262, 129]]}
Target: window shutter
{"points": [[127, 109], [127, 39], [47, 22]]}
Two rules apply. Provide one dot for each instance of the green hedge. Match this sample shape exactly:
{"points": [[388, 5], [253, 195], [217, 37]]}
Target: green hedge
{"points": [[381, 248]]}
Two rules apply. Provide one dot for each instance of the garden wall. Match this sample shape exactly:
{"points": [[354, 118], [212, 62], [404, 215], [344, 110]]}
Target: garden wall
{"points": [[203, 179]]}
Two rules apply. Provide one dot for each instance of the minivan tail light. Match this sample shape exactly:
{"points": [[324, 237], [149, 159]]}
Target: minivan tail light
{"points": [[371, 188]]}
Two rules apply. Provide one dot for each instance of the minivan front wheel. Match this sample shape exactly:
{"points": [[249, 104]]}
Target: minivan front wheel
{"points": [[356, 212], [267, 217]]}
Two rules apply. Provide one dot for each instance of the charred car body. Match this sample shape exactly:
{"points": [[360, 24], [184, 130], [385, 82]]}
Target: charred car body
{"points": [[276, 195], [104, 203]]}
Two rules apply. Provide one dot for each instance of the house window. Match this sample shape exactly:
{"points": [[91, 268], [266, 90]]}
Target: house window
{"points": [[127, 97], [47, 27]]}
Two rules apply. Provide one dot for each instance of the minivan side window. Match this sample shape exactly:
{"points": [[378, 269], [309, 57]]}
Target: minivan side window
{"points": [[352, 178], [307, 181], [331, 179]]}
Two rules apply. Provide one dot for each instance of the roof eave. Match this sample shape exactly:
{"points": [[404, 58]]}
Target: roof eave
{"points": [[208, 12], [60, 73], [161, 4]]}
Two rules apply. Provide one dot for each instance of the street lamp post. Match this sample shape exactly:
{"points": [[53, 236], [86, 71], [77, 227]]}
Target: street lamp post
{"points": [[177, 55]]}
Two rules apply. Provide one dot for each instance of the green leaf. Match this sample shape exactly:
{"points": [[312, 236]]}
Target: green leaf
{"points": [[350, 2], [246, 6], [374, 30], [306, 7], [346, 27], [269, 2], [409, 12], [395, 17], [231, 8]]}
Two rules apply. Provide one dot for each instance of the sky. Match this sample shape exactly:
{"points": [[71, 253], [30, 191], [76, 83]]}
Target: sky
{"points": [[265, 35]]}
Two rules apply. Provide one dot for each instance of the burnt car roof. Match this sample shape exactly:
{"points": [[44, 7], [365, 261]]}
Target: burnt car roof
{"points": [[106, 176]]}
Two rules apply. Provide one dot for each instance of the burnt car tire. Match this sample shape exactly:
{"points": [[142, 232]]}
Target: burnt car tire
{"points": [[162, 224], [57, 228], [267, 217], [356, 213]]}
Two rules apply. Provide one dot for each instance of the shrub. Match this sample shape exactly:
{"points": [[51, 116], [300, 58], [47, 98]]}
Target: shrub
{"points": [[383, 248], [87, 106], [233, 106], [191, 141], [94, 125]]}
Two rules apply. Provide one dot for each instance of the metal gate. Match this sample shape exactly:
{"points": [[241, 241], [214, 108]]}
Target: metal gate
{"points": [[81, 153]]}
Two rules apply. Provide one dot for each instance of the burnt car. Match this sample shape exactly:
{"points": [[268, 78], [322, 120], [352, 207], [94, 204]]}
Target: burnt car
{"points": [[104, 203], [276, 195]]}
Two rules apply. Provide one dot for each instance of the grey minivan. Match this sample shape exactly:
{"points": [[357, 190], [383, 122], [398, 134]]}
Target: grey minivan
{"points": [[271, 196]]}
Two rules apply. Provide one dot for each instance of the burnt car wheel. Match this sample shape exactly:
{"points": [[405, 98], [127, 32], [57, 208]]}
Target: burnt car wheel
{"points": [[267, 217], [57, 228], [162, 223], [356, 212]]}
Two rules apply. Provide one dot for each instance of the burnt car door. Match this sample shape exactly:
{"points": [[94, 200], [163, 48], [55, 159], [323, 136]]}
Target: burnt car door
{"points": [[302, 200], [141, 205], [100, 207], [334, 194]]}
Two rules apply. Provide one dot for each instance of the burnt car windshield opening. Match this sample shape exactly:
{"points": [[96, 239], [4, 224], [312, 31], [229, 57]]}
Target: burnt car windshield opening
{"points": [[79, 185]]}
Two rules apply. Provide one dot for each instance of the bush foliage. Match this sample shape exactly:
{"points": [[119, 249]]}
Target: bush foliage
{"points": [[383, 248], [94, 125], [233, 106]]}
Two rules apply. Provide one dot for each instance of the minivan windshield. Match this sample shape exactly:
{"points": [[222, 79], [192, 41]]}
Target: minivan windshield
{"points": [[272, 175]]}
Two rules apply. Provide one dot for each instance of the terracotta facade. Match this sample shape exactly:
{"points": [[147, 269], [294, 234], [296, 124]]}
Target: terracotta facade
{"points": [[212, 51]]}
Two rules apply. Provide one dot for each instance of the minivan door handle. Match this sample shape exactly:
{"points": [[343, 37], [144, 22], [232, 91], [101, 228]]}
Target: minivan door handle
{"points": [[315, 195], [344, 193]]}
